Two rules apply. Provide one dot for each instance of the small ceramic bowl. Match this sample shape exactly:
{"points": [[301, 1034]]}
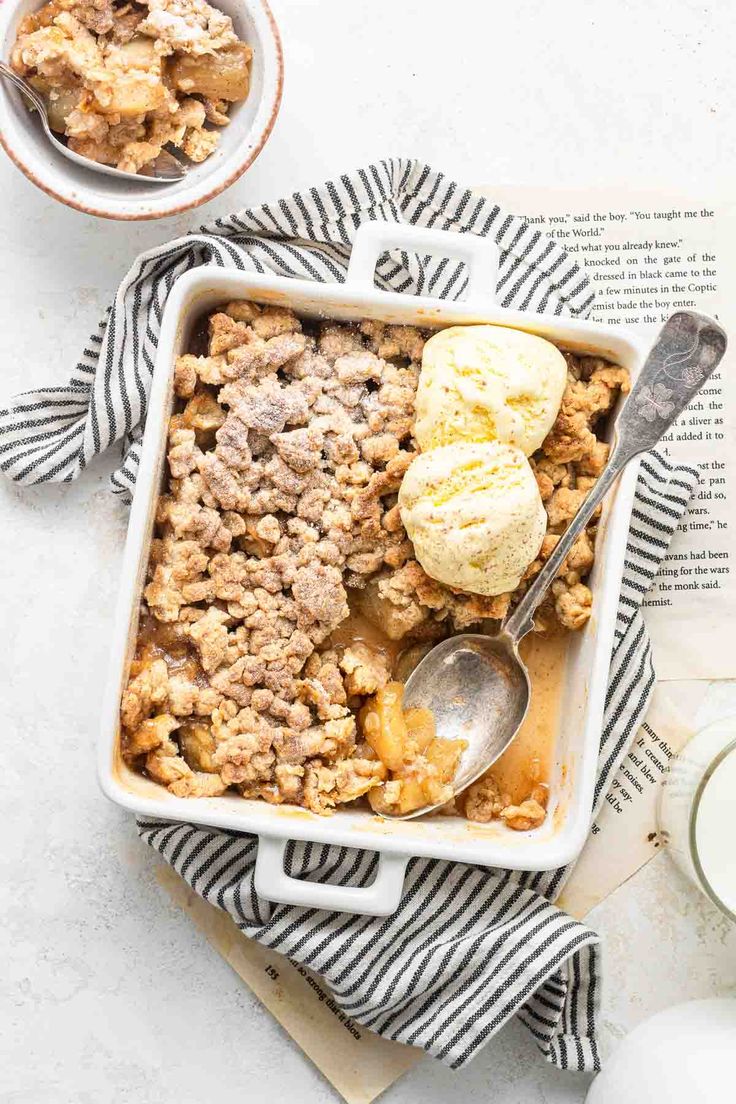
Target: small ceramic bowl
{"points": [[251, 123]]}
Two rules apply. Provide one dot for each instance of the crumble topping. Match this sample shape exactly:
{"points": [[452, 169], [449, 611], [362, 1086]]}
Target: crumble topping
{"points": [[192, 26], [278, 524], [121, 80]]}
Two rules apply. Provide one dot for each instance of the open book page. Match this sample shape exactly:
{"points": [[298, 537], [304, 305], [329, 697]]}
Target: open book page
{"points": [[648, 255], [624, 836]]}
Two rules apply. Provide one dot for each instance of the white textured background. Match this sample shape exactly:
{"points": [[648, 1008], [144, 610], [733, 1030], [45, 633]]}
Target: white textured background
{"points": [[108, 992]]}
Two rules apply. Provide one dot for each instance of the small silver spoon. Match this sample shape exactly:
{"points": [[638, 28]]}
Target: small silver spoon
{"points": [[164, 169], [478, 686]]}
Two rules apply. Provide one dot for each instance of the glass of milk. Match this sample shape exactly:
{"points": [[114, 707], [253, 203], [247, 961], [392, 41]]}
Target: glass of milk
{"points": [[697, 812]]}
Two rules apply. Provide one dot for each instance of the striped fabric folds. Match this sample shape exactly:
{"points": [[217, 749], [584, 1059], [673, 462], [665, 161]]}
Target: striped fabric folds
{"points": [[52, 434], [469, 947]]}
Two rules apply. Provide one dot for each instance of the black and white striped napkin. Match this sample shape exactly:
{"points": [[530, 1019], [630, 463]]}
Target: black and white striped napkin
{"points": [[468, 947]]}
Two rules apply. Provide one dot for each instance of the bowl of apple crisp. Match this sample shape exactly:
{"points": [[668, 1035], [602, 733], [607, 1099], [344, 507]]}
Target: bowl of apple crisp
{"points": [[123, 80], [277, 590]]}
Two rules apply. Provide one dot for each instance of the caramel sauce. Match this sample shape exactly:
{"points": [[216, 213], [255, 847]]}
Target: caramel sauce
{"points": [[160, 640], [529, 758], [357, 629]]}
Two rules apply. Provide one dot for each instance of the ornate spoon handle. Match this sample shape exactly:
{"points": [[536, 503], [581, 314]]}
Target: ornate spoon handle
{"points": [[687, 351]]}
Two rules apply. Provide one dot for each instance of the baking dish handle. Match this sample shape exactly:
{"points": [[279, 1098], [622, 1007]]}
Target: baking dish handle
{"points": [[479, 254], [381, 898]]}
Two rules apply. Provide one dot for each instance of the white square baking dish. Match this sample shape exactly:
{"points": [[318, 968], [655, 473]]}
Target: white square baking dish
{"points": [[563, 833]]}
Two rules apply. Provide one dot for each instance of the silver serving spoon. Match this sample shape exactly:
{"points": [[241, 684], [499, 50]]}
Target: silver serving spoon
{"points": [[164, 169], [478, 686]]}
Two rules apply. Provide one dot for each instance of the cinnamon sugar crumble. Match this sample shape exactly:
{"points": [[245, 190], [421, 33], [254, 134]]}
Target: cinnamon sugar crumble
{"points": [[279, 521]]}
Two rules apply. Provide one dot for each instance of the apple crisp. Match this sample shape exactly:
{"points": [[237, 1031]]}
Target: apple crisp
{"points": [[121, 80], [284, 606]]}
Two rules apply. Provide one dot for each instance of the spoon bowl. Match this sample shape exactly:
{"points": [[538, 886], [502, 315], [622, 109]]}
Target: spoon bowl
{"points": [[478, 690], [478, 687]]}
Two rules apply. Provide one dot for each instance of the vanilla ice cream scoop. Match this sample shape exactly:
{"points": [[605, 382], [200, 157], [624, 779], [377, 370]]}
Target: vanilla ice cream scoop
{"points": [[481, 383], [474, 515]]}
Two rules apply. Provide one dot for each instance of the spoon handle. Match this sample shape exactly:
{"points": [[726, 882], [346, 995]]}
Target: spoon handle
{"points": [[24, 88], [689, 348]]}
